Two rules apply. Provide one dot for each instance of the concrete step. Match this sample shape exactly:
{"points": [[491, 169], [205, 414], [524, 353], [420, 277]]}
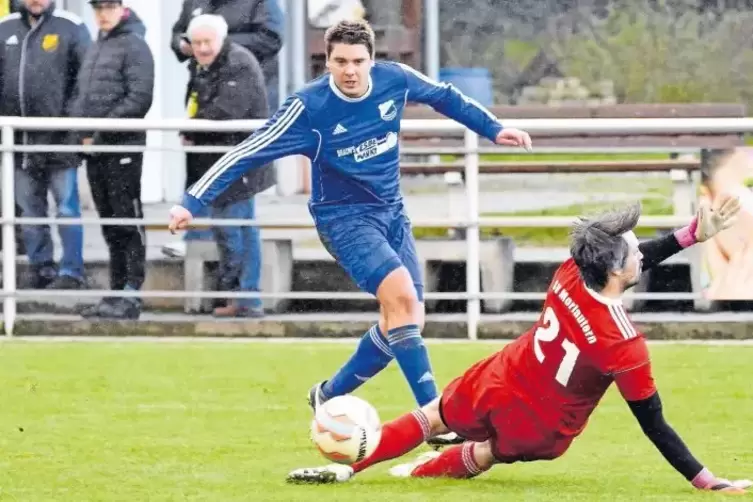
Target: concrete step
{"points": [[658, 326]]}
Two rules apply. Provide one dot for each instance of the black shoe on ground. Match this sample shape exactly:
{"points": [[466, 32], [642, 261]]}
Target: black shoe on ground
{"points": [[123, 309], [39, 277], [115, 309], [66, 282], [91, 311]]}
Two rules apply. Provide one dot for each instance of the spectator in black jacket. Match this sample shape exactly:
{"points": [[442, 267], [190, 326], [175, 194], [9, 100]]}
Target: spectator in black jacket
{"points": [[117, 81], [41, 49], [228, 84], [256, 25]]}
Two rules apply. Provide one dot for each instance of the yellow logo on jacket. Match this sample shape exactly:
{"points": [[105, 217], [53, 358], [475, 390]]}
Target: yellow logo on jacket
{"points": [[193, 105], [50, 42]]}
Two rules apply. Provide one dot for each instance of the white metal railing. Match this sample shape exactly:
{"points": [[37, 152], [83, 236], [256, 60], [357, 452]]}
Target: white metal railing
{"points": [[471, 151]]}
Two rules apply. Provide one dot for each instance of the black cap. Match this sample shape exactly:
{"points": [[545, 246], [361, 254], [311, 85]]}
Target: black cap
{"points": [[96, 2]]}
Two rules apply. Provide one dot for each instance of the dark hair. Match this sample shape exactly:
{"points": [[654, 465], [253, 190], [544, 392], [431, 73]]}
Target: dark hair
{"points": [[597, 246], [353, 32]]}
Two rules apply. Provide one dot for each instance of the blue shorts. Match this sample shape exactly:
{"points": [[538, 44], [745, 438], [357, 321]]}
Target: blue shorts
{"points": [[371, 245]]}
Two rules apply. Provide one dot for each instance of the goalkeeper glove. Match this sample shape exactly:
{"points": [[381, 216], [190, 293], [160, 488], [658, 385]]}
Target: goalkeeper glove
{"points": [[705, 480], [709, 221]]}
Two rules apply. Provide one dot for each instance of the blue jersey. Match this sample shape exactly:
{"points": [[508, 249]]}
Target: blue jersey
{"points": [[352, 142]]}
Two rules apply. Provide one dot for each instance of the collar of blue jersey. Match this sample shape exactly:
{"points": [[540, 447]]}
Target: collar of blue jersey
{"points": [[342, 96]]}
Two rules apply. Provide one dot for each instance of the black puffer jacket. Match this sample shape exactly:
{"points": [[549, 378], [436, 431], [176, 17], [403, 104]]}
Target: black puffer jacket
{"points": [[231, 88], [38, 68], [117, 80], [256, 25]]}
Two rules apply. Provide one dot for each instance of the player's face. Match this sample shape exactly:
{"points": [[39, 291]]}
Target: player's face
{"points": [[350, 66], [631, 272]]}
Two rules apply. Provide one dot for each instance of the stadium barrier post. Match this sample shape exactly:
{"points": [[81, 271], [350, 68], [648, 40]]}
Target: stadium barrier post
{"points": [[9, 234], [472, 271]]}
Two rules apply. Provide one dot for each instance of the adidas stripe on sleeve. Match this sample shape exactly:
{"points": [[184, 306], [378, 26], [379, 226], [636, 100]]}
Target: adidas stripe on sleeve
{"points": [[286, 133]]}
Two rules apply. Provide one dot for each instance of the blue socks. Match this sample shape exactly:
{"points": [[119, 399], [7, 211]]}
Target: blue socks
{"points": [[413, 358], [374, 353], [372, 356]]}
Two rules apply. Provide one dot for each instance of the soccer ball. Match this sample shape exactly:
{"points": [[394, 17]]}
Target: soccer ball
{"points": [[346, 429]]}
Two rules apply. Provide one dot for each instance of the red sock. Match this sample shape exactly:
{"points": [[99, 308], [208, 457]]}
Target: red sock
{"points": [[398, 438], [456, 462]]}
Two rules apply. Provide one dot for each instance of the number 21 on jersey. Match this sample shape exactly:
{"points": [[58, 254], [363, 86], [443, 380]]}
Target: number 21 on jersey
{"points": [[547, 333]]}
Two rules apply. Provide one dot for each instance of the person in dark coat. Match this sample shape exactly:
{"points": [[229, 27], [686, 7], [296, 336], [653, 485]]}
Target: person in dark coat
{"points": [[228, 84], [257, 25], [41, 49], [117, 81]]}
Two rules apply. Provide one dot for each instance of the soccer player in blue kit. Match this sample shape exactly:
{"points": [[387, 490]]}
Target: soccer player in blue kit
{"points": [[347, 122]]}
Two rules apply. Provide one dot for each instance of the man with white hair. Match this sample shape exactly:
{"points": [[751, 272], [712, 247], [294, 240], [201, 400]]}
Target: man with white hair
{"points": [[256, 25], [227, 84]]}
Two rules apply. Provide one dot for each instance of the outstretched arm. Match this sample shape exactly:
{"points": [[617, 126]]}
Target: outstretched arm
{"points": [[707, 222], [634, 385], [286, 133], [451, 103], [657, 250]]}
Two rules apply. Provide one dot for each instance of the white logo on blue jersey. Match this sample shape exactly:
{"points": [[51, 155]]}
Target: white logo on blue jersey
{"points": [[370, 148], [388, 110]]}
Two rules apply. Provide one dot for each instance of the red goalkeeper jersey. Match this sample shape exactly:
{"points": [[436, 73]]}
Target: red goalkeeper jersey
{"points": [[563, 365]]}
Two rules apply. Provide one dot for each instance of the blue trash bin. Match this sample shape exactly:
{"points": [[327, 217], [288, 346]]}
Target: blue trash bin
{"points": [[475, 83]]}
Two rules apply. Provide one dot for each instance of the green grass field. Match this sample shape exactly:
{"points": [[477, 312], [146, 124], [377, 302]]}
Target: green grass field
{"points": [[226, 422]]}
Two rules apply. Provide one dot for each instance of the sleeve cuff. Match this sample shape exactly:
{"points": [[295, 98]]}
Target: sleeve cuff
{"points": [[192, 204], [494, 131], [686, 235]]}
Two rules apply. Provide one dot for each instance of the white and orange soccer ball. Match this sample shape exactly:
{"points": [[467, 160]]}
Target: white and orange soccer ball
{"points": [[346, 429]]}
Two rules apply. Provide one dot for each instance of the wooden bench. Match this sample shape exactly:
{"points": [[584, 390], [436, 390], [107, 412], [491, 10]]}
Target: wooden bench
{"points": [[680, 170], [593, 140]]}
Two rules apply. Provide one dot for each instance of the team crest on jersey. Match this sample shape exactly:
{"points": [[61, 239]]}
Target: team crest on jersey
{"points": [[50, 42], [370, 148], [388, 110]]}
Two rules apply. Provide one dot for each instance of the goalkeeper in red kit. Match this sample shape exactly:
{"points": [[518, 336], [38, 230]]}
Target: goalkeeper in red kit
{"points": [[531, 399]]}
